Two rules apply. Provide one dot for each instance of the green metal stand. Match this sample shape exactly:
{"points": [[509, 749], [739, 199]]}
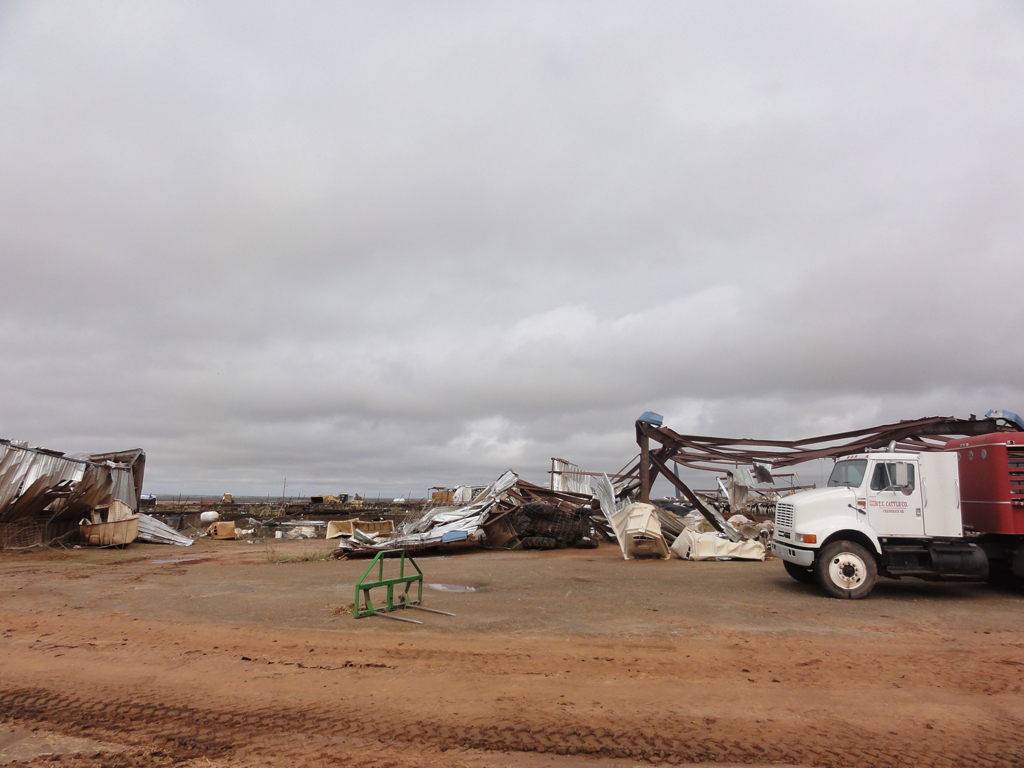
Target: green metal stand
{"points": [[404, 598]]}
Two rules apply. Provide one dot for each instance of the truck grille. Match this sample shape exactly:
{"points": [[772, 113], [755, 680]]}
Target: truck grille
{"points": [[1015, 457], [784, 515]]}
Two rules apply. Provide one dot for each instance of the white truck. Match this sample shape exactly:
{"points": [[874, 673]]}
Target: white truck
{"points": [[950, 515]]}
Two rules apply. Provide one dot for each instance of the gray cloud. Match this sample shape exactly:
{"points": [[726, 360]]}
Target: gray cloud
{"points": [[378, 248]]}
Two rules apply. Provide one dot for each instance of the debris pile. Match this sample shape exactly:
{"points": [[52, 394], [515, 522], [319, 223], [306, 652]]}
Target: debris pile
{"points": [[545, 526], [509, 514]]}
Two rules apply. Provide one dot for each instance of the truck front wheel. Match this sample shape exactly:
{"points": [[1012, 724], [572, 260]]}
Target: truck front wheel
{"points": [[845, 569]]}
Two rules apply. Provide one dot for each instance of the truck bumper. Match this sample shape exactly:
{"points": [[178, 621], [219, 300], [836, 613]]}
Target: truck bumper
{"points": [[802, 557]]}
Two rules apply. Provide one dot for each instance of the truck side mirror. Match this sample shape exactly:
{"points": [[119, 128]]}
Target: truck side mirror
{"points": [[907, 489]]}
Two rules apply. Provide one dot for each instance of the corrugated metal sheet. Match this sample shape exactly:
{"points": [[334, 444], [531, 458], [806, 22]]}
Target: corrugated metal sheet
{"points": [[566, 476], [151, 529], [43, 485]]}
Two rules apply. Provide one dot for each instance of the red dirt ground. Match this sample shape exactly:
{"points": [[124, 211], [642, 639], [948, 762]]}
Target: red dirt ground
{"points": [[217, 655]]}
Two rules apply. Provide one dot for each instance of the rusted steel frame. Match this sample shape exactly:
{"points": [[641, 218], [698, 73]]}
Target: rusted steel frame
{"points": [[541, 493], [692, 497], [879, 440], [626, 471], [910, 426], [712, 468], [939, 429], [638, 484], [710, 450], [701, 451], [613, 477], [933, 425], [578, 471], [645, 462], [795, 451], [745, 444], [633, 473], [511, 492], [493, 518]]}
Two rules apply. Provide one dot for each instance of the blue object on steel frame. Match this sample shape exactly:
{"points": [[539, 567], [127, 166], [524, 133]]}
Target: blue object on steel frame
{"points": [[1006, 416], [652, 418]]}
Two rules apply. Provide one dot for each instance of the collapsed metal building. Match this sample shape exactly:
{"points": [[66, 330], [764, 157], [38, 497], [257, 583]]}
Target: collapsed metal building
{"points": [[44, 493], [753, 460]]}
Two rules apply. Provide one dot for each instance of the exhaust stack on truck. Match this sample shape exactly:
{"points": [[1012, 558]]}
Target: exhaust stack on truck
{"points": [[951, 515]]}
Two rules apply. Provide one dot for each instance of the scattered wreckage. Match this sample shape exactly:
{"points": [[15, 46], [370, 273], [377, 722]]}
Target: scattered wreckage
{"points": [[510, 514], [513, 513]]}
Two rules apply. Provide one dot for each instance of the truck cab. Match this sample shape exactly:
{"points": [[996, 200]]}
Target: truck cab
{"points": [[886, 513]]}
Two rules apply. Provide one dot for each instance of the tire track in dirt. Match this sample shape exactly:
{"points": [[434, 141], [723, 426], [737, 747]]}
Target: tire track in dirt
{"points": [[296, 737]]}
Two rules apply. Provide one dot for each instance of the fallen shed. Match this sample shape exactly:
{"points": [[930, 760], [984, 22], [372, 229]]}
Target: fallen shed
{"points": [[44, 493]]}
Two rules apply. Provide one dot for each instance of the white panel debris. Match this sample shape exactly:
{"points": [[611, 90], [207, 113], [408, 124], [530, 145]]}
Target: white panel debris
{"points": [[691, 545], [463, 495], [638, 531], [604, 492]]}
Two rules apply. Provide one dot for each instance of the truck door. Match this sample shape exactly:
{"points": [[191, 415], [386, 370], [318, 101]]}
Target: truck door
{"points": [[939, 483], [894, 499]]}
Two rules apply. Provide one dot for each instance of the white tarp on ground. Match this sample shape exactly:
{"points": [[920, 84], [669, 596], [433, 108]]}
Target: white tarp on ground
{"points": [[691, 545], [638, 530]]}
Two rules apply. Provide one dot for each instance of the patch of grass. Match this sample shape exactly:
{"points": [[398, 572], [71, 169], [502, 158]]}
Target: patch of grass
{"points": [[265, 510], [273, 557]]}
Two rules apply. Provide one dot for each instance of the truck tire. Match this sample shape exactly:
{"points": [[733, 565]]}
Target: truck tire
{"points": [[846, 570], [798, 572]]}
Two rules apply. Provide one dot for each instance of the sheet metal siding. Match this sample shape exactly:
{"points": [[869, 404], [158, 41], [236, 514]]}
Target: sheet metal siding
{"points": [[568, 477], [29, 480], [27, 477]]}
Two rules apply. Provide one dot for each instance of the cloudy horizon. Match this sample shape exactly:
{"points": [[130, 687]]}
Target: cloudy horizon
{"points": [[375, 248]]}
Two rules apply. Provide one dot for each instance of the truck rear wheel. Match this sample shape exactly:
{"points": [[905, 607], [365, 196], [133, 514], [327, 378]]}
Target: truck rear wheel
{"points": [[846, 570], [798, 572]]}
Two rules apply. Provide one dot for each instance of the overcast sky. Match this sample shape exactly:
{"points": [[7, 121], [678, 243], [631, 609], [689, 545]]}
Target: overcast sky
{"points": [[379, 247]]}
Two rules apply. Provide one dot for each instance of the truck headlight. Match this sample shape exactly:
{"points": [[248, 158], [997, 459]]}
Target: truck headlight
{"points": [[808, 538]]}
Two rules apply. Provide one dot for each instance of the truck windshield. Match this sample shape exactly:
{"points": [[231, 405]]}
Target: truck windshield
{"points": [[849, 473]]}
